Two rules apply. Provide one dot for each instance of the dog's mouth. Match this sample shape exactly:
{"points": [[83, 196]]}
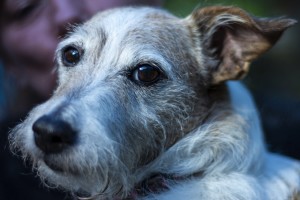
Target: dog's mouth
{"points": [[59, 167], [53, 165]]}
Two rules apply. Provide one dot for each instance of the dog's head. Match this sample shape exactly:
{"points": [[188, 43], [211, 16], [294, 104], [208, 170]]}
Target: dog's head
{"points": [[132, 82]]}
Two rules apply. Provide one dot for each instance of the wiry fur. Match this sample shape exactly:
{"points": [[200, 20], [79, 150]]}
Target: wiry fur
{"points": [[189, 124]]}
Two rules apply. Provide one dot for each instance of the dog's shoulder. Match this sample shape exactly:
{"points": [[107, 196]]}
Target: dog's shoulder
{"points": [[281, 177]]}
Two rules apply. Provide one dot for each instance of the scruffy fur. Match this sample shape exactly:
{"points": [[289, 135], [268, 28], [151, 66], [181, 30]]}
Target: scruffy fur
{"points": [[192, 124]]}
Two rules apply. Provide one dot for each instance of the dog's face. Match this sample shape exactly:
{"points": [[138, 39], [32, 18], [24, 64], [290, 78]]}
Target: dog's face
{"points": [[132, 82]]}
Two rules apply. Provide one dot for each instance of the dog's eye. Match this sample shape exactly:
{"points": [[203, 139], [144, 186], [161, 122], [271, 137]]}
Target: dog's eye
{"points": [[146, 74], [71, 56]]}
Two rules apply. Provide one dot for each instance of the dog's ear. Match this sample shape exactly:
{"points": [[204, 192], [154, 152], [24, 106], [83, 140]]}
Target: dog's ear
{"points": [[231, 39]]}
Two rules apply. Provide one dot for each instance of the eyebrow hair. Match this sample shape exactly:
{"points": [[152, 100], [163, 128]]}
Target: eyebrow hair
{"points": [[103, 36]]}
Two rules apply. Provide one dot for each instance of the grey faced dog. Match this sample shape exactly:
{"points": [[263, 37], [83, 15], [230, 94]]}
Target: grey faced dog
{"points": [[144, 109]]}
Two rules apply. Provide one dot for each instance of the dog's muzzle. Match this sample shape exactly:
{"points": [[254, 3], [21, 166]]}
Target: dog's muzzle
{"points": [[52, 134]]}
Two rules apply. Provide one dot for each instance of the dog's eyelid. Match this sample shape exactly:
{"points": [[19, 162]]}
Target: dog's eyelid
{"points": [[156, 64], [71, 55], [145, 73]]}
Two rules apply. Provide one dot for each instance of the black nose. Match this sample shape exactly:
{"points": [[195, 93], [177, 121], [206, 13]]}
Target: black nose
{"points": [[53, 134]]}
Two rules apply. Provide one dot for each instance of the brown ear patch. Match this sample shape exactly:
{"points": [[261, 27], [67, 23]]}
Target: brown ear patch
{"points": [[232, 39]]}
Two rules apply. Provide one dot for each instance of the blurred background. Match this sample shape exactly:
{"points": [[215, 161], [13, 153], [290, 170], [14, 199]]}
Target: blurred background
{"points": [[274, 78]]}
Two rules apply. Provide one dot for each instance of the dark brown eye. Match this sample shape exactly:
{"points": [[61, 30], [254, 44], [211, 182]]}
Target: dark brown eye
{"points": [[71, 56], [146, 74]]}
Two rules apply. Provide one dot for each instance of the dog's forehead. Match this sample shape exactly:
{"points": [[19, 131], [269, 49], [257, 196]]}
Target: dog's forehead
{"points": [[138, 31], [139, 26], [129, 18]]}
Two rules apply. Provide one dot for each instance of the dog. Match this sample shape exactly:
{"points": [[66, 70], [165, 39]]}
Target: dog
{"points": [[148, 106]]}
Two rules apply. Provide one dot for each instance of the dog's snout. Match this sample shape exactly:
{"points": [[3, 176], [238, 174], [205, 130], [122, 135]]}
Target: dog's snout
{"points": [[53, 135]]}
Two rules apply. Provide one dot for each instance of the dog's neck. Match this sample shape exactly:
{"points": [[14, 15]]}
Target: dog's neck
{"points": [[232, 125], [157, 183], [154, 184]]}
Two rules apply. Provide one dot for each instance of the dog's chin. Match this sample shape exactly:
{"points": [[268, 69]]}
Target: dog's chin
{"points": [[80, 185], [58, 166], [53, 174]]}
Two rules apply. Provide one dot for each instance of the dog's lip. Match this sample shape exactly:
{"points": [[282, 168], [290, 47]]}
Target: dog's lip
{"points": [[57, 167], [53, 165], [82, 194]]}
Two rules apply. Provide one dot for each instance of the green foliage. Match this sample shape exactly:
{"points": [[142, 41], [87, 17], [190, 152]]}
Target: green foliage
{"points": [[183, 8]]}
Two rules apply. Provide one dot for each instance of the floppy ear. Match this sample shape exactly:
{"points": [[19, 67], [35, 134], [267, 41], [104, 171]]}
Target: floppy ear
{"points": [[231, 39]]}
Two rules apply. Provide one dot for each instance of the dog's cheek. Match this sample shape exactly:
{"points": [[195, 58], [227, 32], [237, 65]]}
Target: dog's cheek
{"points": [[156, 120], [133, 125], [142, 138]]}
